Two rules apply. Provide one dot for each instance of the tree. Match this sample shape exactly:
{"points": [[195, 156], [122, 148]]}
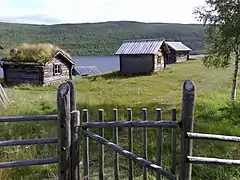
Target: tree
{"points": [[221, 19]]}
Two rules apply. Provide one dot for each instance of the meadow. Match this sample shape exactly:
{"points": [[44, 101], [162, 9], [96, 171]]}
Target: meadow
{"points": [[213, 114]]}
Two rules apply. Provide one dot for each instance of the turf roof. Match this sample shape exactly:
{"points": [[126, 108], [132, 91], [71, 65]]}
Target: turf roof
{"points": [[38, 53]]}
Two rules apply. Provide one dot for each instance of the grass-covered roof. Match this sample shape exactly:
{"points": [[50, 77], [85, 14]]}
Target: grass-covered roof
{"points": [[38, 53]]}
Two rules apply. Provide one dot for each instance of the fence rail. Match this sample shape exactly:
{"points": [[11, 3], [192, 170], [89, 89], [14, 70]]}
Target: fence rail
{"points": [[163, 123], [28, 162], [213, 137], [28, 118], [28, 142], [216, 161]]}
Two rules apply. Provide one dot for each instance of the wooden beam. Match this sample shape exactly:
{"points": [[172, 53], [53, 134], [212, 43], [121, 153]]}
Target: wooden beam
{"points": [[216, 161], [213, 137]]}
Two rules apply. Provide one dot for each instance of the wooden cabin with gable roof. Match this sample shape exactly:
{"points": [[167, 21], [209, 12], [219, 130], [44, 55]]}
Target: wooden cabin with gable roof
{"points": [[142, 56], [38, 64], [178, 52]]}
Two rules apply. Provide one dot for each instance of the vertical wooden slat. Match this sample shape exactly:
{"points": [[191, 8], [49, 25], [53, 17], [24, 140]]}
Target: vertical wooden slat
{"points": [[64, 117], [85, 149], [101, 147], [159, 145], [75, 122], [187, 122], [72, 96], [144, 143], [130, 144], [174, 144], [116, 155], [75, 118]]}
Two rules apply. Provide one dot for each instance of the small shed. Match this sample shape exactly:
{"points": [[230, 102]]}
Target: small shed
{"points": [[178, 52], [38, 64], [142, 56], [86, 70]]}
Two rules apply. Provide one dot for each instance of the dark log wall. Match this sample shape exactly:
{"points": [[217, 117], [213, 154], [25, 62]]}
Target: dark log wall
{"points": [[136, 64], [171, 56], [22, 74], [50, 77]]}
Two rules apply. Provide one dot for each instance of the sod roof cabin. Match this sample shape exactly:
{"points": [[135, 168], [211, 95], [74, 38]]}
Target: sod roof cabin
{"points": [[38, 64]]}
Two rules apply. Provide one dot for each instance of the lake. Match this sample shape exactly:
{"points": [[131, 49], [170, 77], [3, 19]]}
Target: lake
{"points": [[103, 63]]}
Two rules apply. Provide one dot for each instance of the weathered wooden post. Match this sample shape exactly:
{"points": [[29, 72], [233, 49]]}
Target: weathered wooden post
{"points": [[75, 146], [72, 96], [64, 117], [187, 122], [75, 141]]}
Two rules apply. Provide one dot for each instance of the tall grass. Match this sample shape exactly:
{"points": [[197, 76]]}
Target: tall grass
{"points": [[213, 114]]}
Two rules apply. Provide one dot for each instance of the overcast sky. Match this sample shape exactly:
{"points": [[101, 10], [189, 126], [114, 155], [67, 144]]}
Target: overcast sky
{"points": [[80, 11]]}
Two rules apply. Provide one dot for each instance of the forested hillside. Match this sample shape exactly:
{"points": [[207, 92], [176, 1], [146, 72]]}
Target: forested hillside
{"points": [[99, 38]]}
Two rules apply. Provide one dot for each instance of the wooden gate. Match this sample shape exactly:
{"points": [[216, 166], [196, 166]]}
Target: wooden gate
{"points": [[74, 127]]}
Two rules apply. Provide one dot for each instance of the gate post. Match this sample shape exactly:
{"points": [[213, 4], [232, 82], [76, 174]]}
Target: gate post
{"points": [[64, 132], [187, 122], [75, 123]]}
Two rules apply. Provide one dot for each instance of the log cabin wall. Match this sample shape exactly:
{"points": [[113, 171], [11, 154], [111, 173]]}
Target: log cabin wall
{"points": [[18, 74], [159, 60], [137, 64], [177, 56], [182, 56], [56, 70]]}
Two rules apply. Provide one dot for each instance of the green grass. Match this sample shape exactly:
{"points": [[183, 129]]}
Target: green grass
{"points": [[213, 114]]}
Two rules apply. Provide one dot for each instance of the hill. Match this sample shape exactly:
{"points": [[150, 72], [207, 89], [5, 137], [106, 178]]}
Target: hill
{"points": [[163, 90], [99, 38]]}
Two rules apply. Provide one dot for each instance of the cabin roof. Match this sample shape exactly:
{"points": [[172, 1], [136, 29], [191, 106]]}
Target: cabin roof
{"points": [[35, 53], [86, 70], [141, 46], [178, 46]]}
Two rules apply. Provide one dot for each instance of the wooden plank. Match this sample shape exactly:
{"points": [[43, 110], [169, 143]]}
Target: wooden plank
{"points": [[101, 147], [130, 144], [28, 142], [75, 161], [28, 162], [163, 123], [144, 143], [115, 137], [129, 154], [187, 119], [64, 117], [4, 94], [85, 148], [28, 118], [213, 137], [75, 123], [174, 143], [216, 161], [73, 104], [159, 145]]}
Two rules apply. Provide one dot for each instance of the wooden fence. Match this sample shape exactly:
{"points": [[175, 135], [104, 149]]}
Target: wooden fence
{"points": [[72, 126], [68, 123]]}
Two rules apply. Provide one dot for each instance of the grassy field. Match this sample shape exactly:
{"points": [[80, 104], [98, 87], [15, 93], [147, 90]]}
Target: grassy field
{"points": [[213, 114]]}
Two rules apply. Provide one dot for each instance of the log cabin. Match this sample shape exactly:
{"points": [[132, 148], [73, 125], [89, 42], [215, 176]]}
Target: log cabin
{"points": [[39, 64], [178, 52], [142, 56]]}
